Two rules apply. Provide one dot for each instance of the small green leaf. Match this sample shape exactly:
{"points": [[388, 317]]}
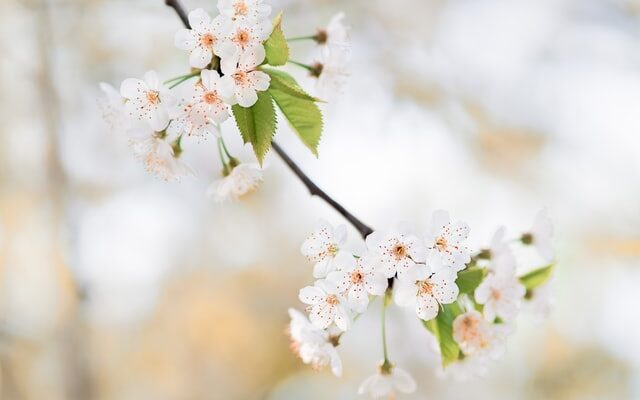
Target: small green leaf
{"points": [[537, 277], [284, 82], [303, 115], [442, 329], [276, 47], [257, 124], [469, 279]]}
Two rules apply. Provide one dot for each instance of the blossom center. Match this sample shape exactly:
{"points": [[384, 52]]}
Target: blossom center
{"points": [[242, 37], [495, 294], [153, 96], [400, 251], [441, 243], [424, 287], [207, 40], [240, 78], [210, 97], [357, 277], [332, 250], [332, 300], [240, 8]]}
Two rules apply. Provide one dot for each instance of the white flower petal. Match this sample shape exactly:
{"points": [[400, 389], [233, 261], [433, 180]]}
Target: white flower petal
{"points": [[311, 295], [426, 307], [184, 39], [199, 20], [403, 381], [200, 57]]}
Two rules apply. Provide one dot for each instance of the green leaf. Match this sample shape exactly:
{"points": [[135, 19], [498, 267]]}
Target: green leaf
{"points": [[276, 47], [442, 329], [257, 124], [303, 115], [537, 277], [284, 82], [469, 279]]}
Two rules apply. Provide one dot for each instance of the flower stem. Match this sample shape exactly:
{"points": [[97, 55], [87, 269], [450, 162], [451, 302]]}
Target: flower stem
{"points": [[299, 38], [303, 65], [179, 79], [225, 166], [385, 303]]}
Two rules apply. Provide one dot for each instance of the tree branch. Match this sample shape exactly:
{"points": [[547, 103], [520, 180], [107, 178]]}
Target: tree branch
{"points": [[316, 191], [310, 185]]}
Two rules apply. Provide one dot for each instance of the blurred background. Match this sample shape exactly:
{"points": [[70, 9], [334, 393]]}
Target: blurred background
{"points": [[115, 285]]}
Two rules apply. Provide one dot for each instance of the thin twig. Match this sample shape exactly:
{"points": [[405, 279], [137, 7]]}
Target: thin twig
{"points": [[316, 191], [362, 228]]}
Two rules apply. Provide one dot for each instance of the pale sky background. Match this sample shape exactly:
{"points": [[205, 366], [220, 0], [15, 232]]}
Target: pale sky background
{"points": [[115, 285]]}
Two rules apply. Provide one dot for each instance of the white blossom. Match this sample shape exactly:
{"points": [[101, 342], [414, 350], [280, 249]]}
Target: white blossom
{"points": [[426, 290], [314, 346], [395, 252], [336, 34], [476, 336], [445, 242], [324, 246], [242, 180], [540, 235], [501, 294], [157, 154], [327, 305], [500, 252], [204, 37], [148, 100], [332, 71], [385, 384], [502, 259], [539, 302], [466, 368], [357, 279], [113, 110], [244, 10], [244, 37], [241, 80], [203, 108]]}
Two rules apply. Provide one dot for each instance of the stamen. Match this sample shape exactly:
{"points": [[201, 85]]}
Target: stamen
{"points": [[153, 97], [207, 40]]}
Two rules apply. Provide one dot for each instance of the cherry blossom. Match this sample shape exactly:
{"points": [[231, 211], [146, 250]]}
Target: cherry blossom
{"points": [[540, 235], [112, 107], [395, 252], [314, 346], [426, 290], [203, 107], [243, 10], [385, 384], [539, 301], [241, 181], [158, 154], [476, 336], [466, 368], [245, 37], [499, 248], [203, 38], [359, 278], [327, 305], [148, 100], [324, 246], [336, 35], [241, 80], [332, 71], [445, 242], [501, 293]]}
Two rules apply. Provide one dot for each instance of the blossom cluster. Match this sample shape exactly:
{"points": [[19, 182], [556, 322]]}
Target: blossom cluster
{"points": [[230, 56], [478, 294]]}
